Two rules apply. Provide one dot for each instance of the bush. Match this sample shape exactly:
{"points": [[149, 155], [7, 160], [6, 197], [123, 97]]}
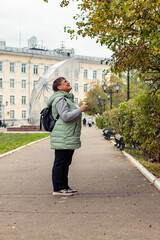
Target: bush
{"points": [[100, 122], [127, 122], [111, 120], [138, 120], [147, 124]]}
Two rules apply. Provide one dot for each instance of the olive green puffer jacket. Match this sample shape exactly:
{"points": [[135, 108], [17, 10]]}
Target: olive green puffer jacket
{"points": [[65, 135]]}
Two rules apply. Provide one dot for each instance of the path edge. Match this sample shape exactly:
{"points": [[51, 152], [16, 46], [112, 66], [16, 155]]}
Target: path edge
{"points": [[154, 180], [19, 148]]}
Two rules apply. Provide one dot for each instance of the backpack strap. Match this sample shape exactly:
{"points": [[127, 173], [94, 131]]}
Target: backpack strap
{"points": [[57, 118], [41, 120]]}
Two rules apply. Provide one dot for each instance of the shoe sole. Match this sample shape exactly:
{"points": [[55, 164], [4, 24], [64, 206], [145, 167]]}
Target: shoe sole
{"points": [[62, 194], [75, 193]]}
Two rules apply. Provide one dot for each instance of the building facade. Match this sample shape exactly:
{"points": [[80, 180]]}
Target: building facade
{"points": [[20, 69]]}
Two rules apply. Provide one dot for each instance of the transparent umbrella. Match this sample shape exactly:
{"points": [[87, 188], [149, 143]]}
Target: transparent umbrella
{"points": [[68, 69]]}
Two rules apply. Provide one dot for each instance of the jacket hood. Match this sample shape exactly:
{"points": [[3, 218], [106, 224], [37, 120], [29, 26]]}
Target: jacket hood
{"points": [[59, 94]]}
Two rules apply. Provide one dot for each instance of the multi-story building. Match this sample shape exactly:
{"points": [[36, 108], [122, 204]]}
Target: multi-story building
{"points": [[20, 69]]}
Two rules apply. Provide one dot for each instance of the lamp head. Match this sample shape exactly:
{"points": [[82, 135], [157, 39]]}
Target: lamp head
{"points": [[104, 86], [117, 87]]}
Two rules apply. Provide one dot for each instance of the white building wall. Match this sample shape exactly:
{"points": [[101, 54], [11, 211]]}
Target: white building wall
{"points": [[42, 59]]}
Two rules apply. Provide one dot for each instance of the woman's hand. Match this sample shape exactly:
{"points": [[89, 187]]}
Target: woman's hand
{"points": [[84, 107]]}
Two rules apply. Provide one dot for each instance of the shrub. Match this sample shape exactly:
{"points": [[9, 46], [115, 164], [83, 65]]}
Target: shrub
{"points": [[99, 122], [138, 120], [147, 124]]}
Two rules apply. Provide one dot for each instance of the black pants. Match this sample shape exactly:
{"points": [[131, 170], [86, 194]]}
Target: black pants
{"points": [[63, 159]]}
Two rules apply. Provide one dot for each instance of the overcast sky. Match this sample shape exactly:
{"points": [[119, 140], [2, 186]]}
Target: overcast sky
{"points": [[22, 19]]}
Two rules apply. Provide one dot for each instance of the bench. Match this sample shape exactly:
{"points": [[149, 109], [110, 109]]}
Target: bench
{"points": [[107, 134], [119, 141]]}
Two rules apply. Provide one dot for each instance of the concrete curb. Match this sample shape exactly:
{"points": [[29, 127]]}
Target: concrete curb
{"points": [[155, 181], [27, 145]]}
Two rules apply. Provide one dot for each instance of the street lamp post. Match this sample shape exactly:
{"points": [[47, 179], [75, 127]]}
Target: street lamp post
{"points": [[128, 76], [99, 102], [110, 92], [104, 102]]}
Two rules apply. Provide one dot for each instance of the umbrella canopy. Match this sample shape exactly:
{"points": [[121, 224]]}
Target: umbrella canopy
{"points": [[68, 69]]}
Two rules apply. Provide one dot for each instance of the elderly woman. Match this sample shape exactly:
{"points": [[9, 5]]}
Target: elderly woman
{"points": [[65, 136]]}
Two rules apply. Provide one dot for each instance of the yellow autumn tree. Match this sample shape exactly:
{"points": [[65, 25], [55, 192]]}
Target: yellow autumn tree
{"points": [[129, 28]]}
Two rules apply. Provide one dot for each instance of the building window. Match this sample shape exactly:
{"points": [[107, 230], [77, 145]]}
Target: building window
{"points": [[76, 87], [23, 100], [12, 83], [76, 101], [0, 66], [23, 83], [85, 87], [11, 67], [1, 99], [24, 115], [45, 68], [94, 74], [12, 99], [12, 114], [85, 73], [1, 102], [34, 83], [1, 83], [23, 68], [35, 69]]}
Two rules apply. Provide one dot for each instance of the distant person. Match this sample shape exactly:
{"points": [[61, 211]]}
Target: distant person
{"points": [[12, 124], [65, 136], [90, 123], [84, 122], [2, 124]]}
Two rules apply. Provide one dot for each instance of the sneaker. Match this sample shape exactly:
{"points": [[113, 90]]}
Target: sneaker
{"points": [[74, 192], [63, 193]]}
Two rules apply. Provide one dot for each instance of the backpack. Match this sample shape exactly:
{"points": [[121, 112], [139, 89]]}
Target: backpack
{"points": [[47, 119]]}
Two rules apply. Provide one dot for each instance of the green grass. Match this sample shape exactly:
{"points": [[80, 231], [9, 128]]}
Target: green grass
{"points": [[152, 167], [11, 141]]}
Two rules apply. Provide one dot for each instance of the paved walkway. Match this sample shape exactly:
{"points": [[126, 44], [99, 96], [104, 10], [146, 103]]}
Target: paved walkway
{"points": [[115, 201]]}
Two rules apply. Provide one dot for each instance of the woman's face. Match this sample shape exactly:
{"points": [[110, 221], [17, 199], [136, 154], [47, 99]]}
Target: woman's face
{"points": [[65, 86]]}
